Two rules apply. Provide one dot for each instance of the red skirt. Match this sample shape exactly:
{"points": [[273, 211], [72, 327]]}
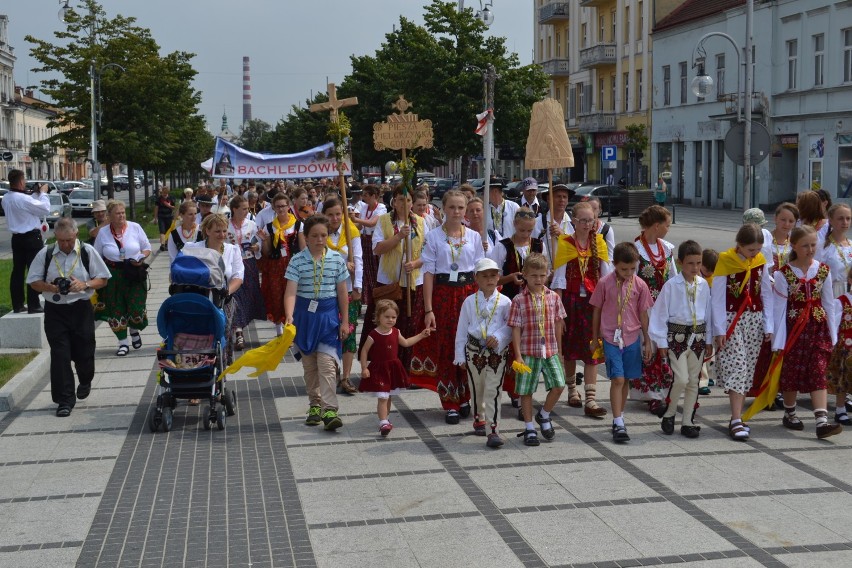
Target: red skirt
{"points": [[804, 365], [407, 326], [761, 368], [432, 359], [272, 285], [578, 329], [371, 269]]}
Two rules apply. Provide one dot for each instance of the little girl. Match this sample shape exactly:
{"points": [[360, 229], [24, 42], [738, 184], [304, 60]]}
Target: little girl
{"points": [[840, 365], [805, 329], [741, 306], [777, 250], [836, 251], [385, 374]]}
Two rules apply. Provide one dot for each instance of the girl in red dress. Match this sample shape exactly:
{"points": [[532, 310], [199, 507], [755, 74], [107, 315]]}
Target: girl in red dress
{"points": [[278, 244], [385, 375]]}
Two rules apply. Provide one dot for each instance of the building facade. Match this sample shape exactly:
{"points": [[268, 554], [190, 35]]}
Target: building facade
{"points": [[802, 69]]}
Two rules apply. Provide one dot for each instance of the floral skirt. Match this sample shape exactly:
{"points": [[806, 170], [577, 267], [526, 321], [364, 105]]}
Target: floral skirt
{"points": [[804, 366], [272, 286], [840, 368], [122, 303], [578, 329], [249, 298], [736, 363], [350, 344]]}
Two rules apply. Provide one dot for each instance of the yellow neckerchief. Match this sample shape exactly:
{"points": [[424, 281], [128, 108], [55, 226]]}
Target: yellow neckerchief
{"points": [[391, 261], [566, 251], [731, 263], [341, 242], [279, 231]]}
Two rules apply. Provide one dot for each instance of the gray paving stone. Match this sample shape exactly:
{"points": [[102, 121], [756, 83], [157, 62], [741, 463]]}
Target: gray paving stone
{"points": [[46, 521], [54, 557]]}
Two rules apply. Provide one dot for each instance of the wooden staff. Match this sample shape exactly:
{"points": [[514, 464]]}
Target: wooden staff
{"points": [[550, 205], [406, 250]]}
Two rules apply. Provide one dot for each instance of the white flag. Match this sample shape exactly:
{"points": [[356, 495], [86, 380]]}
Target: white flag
{"points": [[482, 122]]}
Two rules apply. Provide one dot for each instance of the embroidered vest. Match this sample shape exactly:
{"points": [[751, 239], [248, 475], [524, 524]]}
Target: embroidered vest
{"points": [[751, 293], [512, 264], [801, 292]]}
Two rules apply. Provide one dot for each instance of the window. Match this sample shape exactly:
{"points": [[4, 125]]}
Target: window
{"points": [[720, 74], [682, 82], [792, 61], [819, 60], [601, 91], [558, 53], [584, 35], [612, 93], [626, 79], [581, 98], [602, 30], [667, 85], [640, 13], [847, 55], [626, 24], [639, 89], [572, 102], [613, 36]]}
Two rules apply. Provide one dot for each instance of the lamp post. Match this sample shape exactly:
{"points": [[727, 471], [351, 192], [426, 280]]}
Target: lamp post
{"points": [[485, 13], [702, 85]]}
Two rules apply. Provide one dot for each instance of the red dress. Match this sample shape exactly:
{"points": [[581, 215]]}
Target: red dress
{"points": [[387, 373]]}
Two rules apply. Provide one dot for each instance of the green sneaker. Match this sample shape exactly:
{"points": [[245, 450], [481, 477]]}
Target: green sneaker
{"points": [[331, 420], [314, 416]]}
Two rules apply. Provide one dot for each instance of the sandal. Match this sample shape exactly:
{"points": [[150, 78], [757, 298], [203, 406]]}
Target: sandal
{"points": [[122, 350], [548, 433], [738, 432], [530, 438], [843, 418], [136, 340], [792, 422]]}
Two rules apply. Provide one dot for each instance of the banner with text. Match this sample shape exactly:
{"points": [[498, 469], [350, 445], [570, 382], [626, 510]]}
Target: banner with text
{"points": [[231, 161]]}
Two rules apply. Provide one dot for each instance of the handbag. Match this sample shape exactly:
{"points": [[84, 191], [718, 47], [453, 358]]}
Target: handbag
{"points": [[135, 272], [392, 291]]}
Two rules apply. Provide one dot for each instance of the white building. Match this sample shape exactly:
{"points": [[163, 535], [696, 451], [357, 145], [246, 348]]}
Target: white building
{"points": [[8, 139], [802, 93]]}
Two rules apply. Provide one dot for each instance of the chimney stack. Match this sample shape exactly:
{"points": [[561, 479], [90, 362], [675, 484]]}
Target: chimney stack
{"points": [[246, 90]]}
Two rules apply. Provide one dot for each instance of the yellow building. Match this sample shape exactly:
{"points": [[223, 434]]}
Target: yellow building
{"points": [[598, 56]]}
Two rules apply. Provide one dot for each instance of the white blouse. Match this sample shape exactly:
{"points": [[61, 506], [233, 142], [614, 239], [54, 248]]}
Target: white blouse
{"points": [[379, 236], [674, 305], [134, 242], [472, 323], [437, 256], [357, 257], [838, 259], [243, 236], [365, 214], [232, 257], [779, 308], [186, 240]]}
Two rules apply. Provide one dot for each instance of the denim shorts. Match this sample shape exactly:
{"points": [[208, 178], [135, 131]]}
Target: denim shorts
{"points": [[623, 363]]}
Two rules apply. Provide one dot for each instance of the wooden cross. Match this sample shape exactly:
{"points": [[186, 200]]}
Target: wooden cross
{"points": [[332, 105]]}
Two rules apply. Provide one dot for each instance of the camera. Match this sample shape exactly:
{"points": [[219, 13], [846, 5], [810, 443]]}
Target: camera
{"points": [[64, 285]]}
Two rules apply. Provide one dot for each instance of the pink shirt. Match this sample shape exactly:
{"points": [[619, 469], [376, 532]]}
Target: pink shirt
{"points": [[606, 297]]}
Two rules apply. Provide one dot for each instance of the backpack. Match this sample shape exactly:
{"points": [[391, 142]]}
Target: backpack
{"points": [[84, 256]]}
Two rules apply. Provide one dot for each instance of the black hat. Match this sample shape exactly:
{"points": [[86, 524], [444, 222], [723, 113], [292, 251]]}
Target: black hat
{"points": [[496, 183], [204, 199]]}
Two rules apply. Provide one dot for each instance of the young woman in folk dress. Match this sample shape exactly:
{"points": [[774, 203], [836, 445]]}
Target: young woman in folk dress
{"points": [[369, 211], [475, 216], [836, 250], [388, 241], [449, 258], [575, 281], [278, 246], [243, 233], [812, 212], [777, 250], [656, 265], [186, 229]]}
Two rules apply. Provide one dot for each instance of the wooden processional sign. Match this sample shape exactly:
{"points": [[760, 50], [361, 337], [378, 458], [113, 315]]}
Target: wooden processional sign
{"points": [[403, 131]]}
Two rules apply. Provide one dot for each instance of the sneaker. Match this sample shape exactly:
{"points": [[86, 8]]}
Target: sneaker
{"points": [[464, 410], [792, 422], [479, 427], [619, 434], [704, 391], [494, 440], [452, 417], [331, 420], [690, 431], [668, 425], [826, 429], [548, 433], [314, 416], [384, 429]]}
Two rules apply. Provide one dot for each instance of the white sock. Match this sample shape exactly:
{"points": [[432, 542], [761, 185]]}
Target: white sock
{"points": [[544, 414], [619, 421], [840, 409], [383, 422], [530, 426], [545, 425]]}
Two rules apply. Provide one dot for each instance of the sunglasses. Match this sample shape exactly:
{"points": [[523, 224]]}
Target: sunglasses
{"points": [[525, 215]]}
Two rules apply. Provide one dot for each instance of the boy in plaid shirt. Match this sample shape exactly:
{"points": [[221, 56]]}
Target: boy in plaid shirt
{"points": [[536, 318]]}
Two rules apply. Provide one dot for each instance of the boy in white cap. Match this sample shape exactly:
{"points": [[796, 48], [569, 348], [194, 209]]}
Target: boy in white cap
{"points": [[482, 339]]}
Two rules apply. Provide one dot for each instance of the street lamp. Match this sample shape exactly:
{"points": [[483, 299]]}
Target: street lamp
{"points": [[485, 13], [702, 86], [65, 11]]}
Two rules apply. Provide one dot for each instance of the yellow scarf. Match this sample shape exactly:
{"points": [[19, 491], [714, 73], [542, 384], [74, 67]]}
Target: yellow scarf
{"points": [[731, 263], [392, 259], [566, 251], [341, 242], [279, 231]]}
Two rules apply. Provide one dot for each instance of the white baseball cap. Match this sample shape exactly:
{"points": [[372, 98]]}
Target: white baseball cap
{"points": [[485, 264]]}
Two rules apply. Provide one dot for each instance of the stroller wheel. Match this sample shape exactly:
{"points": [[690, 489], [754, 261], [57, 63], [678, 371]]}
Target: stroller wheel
{"points": [[168, 418], [207, 417], [230, 402], [220, 416], [155, 420]]}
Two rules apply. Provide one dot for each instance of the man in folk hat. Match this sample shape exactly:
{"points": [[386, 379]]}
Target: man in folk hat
{"points": [[502, 217]]}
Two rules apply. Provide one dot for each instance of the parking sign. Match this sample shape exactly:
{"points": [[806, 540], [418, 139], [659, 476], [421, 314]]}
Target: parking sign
{"points": [[608, 153]]}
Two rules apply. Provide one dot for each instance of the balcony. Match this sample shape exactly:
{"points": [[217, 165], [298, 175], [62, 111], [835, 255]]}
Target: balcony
{"points": [[553, 12], [597, 122], [598, 56], [556, 67], [593, 3]]}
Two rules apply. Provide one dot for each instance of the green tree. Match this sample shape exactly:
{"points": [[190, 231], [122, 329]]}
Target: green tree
{"points": [[301, 129], [254, 135]]}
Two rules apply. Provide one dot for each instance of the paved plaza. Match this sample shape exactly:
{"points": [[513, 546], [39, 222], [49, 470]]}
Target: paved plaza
{"points": [[99, 489]]}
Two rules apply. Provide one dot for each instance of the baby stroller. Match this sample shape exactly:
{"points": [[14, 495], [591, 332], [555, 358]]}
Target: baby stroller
{"points": [[192, 325]]}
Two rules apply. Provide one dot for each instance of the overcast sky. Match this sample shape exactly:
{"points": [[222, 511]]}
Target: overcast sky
{"points": [[294, 45]]}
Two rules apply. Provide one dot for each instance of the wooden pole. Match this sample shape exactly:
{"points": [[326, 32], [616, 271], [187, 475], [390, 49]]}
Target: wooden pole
{"points": [[406, 249], [342, 181], [552, 217]]}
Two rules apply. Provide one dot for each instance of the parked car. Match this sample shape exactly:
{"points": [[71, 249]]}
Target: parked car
{"points": [[440, 186], [35, 184], [4, 189], [60, 207], [81, 202], [610, 196]]}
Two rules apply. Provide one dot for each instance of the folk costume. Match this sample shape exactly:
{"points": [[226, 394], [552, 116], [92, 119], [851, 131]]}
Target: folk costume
{"points": [[388, 376], [390, 270], [502, 217], [371, 261], [481, 318], [178, 237], [840, 364], [838, 257], [656, 266], [451, 261], [249, 300], [337, 242], [775, 253], [542, 229], [742, 303], [283, 245]]}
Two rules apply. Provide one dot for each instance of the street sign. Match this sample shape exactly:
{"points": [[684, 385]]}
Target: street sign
{"points": [[760, 142], [7, 156], [609, 153]]}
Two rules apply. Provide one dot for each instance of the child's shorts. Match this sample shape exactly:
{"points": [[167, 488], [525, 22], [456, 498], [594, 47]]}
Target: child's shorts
{"points": [[623, 363], [551, 367]]}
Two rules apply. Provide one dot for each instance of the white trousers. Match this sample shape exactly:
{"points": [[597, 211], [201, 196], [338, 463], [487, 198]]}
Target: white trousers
{"points": [[686, 370]]}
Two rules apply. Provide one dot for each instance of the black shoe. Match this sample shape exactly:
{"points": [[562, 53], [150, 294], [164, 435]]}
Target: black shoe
{"points": [[690, 431], [516, 403], [464, 410], [547, 433], [83, 390], [452, 417], [619, 434], [843, 418], [668, 425], [63, 411], [20, 310], [530, 438], [704, 391], [38, 310]]}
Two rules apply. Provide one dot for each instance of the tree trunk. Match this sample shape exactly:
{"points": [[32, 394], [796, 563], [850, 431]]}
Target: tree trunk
{"points": [[145, 188], [110, 186], [465, 165], [131, 189]]}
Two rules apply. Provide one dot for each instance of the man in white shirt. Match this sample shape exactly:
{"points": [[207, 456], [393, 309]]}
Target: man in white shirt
{"points": [[529, 187], [502, 214], [24, 214]]}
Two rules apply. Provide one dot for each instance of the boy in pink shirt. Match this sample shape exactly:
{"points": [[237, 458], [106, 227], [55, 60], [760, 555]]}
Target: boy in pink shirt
{"points": [[621, 302]]}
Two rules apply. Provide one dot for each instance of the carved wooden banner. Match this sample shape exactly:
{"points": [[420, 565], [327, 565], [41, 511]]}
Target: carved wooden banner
{"points": [[402, 131]]}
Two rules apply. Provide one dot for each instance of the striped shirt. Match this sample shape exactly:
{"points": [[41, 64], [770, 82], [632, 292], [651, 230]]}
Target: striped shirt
{"points": [[301, 270]]}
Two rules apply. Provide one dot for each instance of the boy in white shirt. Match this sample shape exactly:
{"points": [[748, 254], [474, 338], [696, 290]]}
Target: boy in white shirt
{"points": [[482, 338], [679, 324]]}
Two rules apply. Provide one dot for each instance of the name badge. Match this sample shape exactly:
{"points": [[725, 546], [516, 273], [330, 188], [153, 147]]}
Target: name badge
{"points": [[312, 306], [618, 339], [454, 275], [583, 293]]}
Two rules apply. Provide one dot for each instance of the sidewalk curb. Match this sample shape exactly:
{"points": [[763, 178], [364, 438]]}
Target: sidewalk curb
{"points": [[23, 383]]}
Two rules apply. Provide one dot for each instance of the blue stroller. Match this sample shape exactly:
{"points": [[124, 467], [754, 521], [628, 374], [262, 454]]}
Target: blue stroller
{"points": [[193, 353]]}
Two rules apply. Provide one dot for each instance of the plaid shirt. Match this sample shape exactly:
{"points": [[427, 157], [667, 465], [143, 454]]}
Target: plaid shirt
{"points": [[523, 314]]}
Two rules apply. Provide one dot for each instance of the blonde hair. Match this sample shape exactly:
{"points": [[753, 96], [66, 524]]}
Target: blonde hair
{"points": [[214, 219], [382, 306], [535, 261], [113, 203]]}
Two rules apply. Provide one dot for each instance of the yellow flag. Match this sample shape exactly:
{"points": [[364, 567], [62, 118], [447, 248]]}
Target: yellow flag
{"points": [[266, 357], [768, 389]]}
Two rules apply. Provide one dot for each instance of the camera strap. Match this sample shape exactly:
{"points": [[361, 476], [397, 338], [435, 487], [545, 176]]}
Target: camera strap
{"points": [[82, 254]]}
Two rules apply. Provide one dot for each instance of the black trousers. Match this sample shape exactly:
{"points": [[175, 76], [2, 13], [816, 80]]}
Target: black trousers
{"points": [[70, 331], [25, 246]]}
